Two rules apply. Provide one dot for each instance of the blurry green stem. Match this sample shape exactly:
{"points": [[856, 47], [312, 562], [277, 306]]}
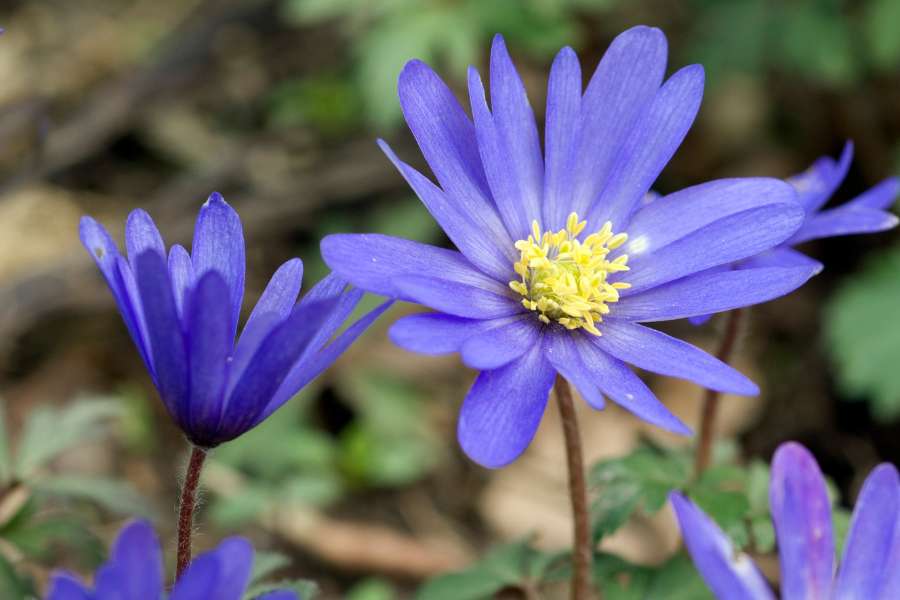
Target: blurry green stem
{"points": [[582, 550], [186, 509], [711, 397]]}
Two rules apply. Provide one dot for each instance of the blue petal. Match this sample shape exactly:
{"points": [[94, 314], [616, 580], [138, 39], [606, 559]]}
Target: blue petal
{"points": [[651, 143], [816, 185], [890, 583], [437, 333], [332, 288], [494, 256], [167, 342], [64, 586], [279, 595], [460, 299], [802, 516], [782, 257], [135, 569], [880, 196], [561, 134], [563, 355], [844, 220], [219, 245], [280, 294], [502, 411], [201, 576], [235, 558], [142, 235], [728, 574], [105, 253], [659, 353], [624, 84], [864, 565], [181, 272], [372, 262], [447, 139], [209, 346], [626, 389], [711, 292], [501, 345]]}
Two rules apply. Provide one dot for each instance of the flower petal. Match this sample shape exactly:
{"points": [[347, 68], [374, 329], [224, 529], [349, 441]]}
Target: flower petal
{"points": [[648, 148], [201, 576], [219, 245], [844, 220], [563, 355], [802, 516], [235, 558], [816, 185], [209, 346], [501, 412], [728, 574], [881, 196], [627, 78], [279, 595], [331, 288], [622, 386], [372, 262], [280, 294], [560, 136], [455, 298], [135, 569], [167, 343], [864, 564], [782, 257], [142, 235], [181, 272], [492, 254], [659, 353], [64, 586], [890, 584], [437, 333], [710, 292], [495, 347]]}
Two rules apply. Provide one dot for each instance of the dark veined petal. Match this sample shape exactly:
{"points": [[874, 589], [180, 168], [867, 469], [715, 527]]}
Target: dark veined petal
{"points": [[620, 384], [659, 353], [728, 574], [141, 235], [492, 255], [560, 136], [712, 291], [135, 568], [880, 196], [503, 409], [844, 220], [864, 564], [64, 586], [801, 513], [624, 84], [235, 558], [280, 294], [437, 333], [219, 245], [447, 139], [455, 298], [372, 262], [209, 345], [312, 365], [563, 354], [699, 237], [816, 185], [495, 347], [181, 272], [105, 253], [164, 332], [648, 148]]}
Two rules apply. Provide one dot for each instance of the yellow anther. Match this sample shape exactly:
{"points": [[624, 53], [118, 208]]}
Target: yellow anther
{"points": [[564, 279]]}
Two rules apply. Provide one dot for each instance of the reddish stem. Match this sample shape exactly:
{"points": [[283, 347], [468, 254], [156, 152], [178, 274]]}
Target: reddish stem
{"points": [[187, 507]]}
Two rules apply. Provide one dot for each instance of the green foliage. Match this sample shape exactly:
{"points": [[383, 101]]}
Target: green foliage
{"points": [[863, 334], [676, 579], [328, 103], [265, 564], [372, 589]]}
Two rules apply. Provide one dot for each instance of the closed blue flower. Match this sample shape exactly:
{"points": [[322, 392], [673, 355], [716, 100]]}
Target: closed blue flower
{"points": [[558, 259], [798, 498], [182, 312], [135, 572]]}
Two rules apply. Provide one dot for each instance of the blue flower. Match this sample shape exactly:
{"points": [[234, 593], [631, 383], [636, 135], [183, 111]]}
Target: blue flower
{"points": [[867, 213], [546, 280], [135, 572], [182, 313], [798, 498]]}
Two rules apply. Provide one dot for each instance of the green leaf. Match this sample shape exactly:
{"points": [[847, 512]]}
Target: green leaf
{"points": [[676, 579], [6, 466], [267, 563], [51, 431], [880, 33], [12, 584], [113, 495], [863, 332], [372, 589], [306, 590]]}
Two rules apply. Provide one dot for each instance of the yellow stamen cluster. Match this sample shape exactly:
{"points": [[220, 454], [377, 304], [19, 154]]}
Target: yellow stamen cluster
{"points": [[564, 279]]}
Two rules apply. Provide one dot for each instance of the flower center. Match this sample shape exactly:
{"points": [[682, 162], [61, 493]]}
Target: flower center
{"points": [[564, 279]]}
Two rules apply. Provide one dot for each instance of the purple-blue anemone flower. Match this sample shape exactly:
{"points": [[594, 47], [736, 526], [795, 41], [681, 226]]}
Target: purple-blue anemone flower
{"points": [[182, 312], [798, 498], [867, 213], [135, 571], [545, 280]]}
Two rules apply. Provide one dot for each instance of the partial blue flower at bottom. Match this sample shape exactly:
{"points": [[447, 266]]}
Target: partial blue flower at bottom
{"points": [[182, 312], [798, 498], [135, 572]]}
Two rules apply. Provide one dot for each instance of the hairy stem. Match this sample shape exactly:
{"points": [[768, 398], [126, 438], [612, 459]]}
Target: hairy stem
{"points": [[711, 397], [582, 551], [187, 507]]}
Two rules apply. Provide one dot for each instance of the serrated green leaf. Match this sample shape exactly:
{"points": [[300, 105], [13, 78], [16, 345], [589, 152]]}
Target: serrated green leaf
{"points": [[113, 495]]}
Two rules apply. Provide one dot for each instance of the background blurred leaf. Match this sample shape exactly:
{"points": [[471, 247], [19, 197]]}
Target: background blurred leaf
{"points": [[863, 334], [116, 496], [6, 466], [372, 589], [13, 585], [880, 32]]}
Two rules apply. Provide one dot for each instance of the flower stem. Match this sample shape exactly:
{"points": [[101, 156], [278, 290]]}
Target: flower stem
{"points": [[711, 397], [582, 551], [186, 509]]}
